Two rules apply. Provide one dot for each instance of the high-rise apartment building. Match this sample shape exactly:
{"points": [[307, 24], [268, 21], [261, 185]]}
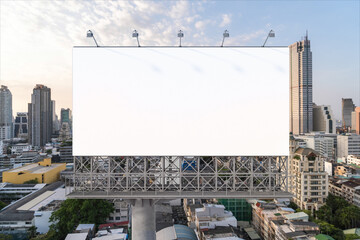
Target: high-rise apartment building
{"points": [[21, 124], [6, 118], [310, 180], [323, 119], [40, 116], [347, 108], [301, 105]]}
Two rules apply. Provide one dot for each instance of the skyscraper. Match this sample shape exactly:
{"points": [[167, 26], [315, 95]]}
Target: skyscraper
{"points": [[301, 105], [56, 124], [347, 108], [6, 118], [21, 124], [40, 116], [65, 115]]}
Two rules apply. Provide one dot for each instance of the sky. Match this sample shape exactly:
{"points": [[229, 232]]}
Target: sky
{"points": [[36, 38]]}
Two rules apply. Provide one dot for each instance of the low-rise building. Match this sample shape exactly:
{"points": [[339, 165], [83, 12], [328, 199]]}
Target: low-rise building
{"points": [[12, 161], [10, 192], [43, 172], [66, 154], [272, 222], [213, 215], [17, 218], [352, 159], [356, 200], [348, 189], [20, 147]]}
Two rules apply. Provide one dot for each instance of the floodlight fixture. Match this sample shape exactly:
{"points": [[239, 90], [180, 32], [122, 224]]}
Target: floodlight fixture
{"points": [[225, 35], [135, 34], [270, 34], [180, 35], [90, 34]]}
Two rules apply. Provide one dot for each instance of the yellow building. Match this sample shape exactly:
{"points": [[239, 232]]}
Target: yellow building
{"points": [[43, 172]]}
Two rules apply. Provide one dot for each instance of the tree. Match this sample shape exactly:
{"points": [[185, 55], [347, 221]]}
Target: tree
{"points": [[348, 217], [325, 213], [293, 205], [351, 236], [2, 205], [32, 181], [5, 237], [329, 229], [75, 211], [336, 203], [31, 232]]}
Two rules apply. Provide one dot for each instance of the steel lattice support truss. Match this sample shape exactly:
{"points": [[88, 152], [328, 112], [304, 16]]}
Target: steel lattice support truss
{"points": [[174, 177]]}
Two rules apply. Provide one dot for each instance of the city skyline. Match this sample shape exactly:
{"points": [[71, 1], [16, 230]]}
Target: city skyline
{"points": [[37, 38]]}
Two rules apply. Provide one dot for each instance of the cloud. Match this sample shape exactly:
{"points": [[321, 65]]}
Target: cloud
{"points": [[226, 20]]}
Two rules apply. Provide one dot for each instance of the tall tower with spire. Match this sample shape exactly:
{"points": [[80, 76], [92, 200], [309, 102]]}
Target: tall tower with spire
{"points": [[301, 87]]}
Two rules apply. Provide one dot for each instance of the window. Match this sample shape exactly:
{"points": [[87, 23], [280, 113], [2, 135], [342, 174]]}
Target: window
{"points": [[117, 218], [117, 210], [111, 218]]}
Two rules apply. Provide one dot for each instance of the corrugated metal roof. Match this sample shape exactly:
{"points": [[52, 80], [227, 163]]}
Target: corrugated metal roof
{"points": [[29, 205]]}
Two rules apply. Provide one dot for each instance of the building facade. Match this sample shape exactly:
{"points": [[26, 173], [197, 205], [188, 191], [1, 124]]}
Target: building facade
{"points": [[348, 144], [43, 172], [21, 124], [309, 179], [356, 124], [40, 116], [323, 119], [351, 159], [6, 118], [321, 144], [347, 108], [301, 96]]}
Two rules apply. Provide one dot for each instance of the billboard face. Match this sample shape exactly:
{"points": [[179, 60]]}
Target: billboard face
{"points": [[180, 101]]}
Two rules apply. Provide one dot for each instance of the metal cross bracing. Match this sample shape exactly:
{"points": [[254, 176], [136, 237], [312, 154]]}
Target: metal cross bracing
{"points": [[179, 177]]}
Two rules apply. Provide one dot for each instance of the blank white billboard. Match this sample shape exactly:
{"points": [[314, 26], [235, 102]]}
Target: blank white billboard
{"points": [[180, 101]]}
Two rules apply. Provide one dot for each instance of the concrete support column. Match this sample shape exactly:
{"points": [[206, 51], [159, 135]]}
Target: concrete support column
{"points": [[143, 219]]}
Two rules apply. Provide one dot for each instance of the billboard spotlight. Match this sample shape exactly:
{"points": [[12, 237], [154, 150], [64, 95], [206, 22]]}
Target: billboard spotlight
{"points": [[135, 34], [225, 35], [271, 34], [180, 35], [90, 34]]}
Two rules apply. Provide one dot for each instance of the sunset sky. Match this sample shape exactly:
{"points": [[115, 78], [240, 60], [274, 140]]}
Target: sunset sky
{"points": [[37, 37]]}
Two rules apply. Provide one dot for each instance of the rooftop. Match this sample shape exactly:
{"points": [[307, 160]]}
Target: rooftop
{"points": [[306, 151], [77, 236], [11, 212], [296, 215], [351, 184], [35, 168]]}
